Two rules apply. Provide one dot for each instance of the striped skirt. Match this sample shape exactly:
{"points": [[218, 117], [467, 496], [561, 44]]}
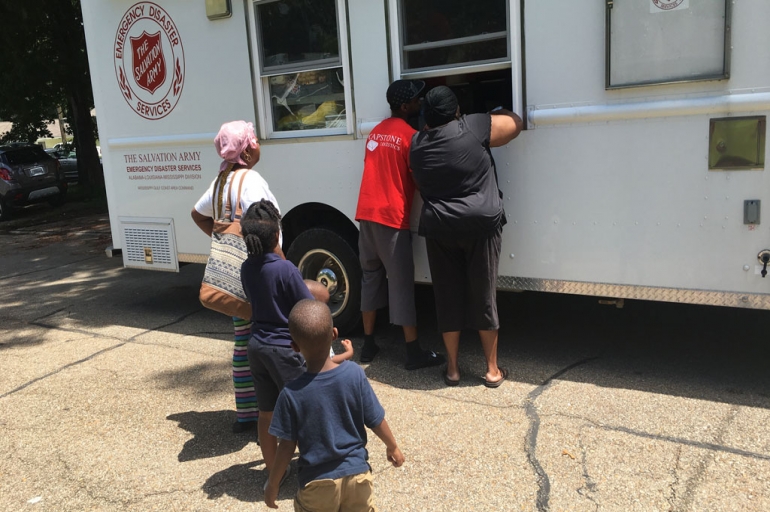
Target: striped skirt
{"points": [[245, 396]]}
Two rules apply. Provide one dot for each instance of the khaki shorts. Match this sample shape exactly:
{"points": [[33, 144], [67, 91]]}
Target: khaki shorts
{"points": [[352, 493]]}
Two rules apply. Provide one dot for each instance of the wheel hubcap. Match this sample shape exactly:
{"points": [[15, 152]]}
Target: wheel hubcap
{"points": [[324, 267]]}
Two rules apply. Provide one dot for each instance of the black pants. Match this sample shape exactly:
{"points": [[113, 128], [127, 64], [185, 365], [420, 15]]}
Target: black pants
{"points": [[464, 274]]}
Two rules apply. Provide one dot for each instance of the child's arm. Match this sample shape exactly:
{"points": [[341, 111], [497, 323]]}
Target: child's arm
{"points": [[386, 436], [282, 459], [348, 354]]}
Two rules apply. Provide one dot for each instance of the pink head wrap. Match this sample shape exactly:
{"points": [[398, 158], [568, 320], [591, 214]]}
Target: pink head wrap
{"points": [[233, 138]]}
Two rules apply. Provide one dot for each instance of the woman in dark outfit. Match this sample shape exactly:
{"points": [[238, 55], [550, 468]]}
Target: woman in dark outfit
{"points": [[462, 220]]}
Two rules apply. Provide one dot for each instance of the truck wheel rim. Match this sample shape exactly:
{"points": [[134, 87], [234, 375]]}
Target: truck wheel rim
{"points": [[325, 268]]}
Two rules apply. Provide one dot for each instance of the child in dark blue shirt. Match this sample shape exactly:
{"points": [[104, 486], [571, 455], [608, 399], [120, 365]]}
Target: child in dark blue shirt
{"points": [[325, 411], [273, 285]]}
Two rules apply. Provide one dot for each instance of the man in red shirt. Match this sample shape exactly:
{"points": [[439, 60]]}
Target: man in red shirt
{"points": [[385, 242]]}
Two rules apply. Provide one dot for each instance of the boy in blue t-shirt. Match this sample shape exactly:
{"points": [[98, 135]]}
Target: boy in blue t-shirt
{"points": [[325, 411]]}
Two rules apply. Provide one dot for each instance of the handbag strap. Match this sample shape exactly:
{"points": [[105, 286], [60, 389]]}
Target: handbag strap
{"points": [[227, 206], [238, 209], [218, 192]]}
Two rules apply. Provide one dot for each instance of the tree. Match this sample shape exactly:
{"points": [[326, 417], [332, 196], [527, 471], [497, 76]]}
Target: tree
{"points": [[44, 65]]}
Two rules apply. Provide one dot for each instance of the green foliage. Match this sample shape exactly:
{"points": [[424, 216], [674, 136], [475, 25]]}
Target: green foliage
{"points": [[44, 65], [29, 85]]}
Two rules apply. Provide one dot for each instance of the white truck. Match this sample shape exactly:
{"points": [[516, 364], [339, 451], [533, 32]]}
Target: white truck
{"points": [[640, 174]]}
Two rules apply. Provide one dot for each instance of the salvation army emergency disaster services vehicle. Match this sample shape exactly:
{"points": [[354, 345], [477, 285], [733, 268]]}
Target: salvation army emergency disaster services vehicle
{"points": [[641, 173]]}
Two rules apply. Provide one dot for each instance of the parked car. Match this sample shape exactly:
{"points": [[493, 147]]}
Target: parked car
{"points": [[62, 146], [68, 159], [28, 175], [69, 164]]}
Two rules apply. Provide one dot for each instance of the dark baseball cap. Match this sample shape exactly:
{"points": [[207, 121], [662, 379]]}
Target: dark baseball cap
{"points": [[403, 91]]}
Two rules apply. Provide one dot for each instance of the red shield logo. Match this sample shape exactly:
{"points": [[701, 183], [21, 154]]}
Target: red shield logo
{"points": [[149, 64], [149, 60]]}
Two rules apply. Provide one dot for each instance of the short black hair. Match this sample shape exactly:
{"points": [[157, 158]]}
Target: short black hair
{"points": [[310, 324], [440, 106]]}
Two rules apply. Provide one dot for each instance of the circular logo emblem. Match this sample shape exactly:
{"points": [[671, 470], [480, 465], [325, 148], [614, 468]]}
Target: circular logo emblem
{"points": [[667, 5], [149, 60]]}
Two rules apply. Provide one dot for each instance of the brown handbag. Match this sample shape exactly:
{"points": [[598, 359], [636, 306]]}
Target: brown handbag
{"points": [[221, 289]]}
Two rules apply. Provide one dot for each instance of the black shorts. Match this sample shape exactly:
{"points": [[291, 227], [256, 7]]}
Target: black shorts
{"points": [[272, 366], [464, 275]]}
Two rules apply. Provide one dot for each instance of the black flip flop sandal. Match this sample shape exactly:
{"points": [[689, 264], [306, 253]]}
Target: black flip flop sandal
{"points": [[497, 383], [449, 382]]}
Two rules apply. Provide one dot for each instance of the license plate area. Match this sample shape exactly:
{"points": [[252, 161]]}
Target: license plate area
{"points": [[35, 171]]}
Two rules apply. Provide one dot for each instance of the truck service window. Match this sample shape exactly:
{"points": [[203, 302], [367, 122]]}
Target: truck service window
{"points": [[447, 33], [301, 66], [463, 45]]}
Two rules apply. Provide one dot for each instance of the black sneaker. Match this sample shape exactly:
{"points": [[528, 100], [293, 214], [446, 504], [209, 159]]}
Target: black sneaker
{"points": [[426, 359], [368, 353]]}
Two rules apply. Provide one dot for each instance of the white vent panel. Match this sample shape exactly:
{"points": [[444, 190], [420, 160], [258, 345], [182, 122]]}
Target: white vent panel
{"points": [[149, 244]]}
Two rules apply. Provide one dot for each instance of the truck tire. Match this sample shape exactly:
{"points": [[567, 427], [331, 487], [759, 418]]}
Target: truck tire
{"points": [[322, 255]]}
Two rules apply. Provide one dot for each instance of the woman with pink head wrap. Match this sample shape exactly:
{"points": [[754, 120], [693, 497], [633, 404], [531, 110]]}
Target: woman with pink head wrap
{"points": [[237, 145]]}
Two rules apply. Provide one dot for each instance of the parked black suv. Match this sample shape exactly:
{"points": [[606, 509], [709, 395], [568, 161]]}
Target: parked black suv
{"points": [[29, 175]]}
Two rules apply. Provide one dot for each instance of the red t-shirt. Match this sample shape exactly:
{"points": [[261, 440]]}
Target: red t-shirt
{"points": [[387, 188]]}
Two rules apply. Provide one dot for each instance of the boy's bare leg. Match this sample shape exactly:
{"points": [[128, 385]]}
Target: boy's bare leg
{"points": [[452, 344], [489, 344], [410, 333], [267, 443], [284, 453]]}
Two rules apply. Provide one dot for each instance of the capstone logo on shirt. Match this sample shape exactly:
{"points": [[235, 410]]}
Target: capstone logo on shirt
{"points": [[385, 140]]}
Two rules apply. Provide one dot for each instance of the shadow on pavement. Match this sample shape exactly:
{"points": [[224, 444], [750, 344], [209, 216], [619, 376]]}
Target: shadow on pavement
{"points": [[703, 352], [244, 483], [202, 379], [212, 435], [20, 341]]}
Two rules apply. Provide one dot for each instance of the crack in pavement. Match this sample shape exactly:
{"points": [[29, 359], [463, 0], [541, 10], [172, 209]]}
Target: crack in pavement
{"points": [[696, 479], [470, 402], [185, 350], [97, 353], [52, 313], [544, 483], [49, 374], [589, 486], [697, 444], [68, 475], [153, 495], [669, 439], [90, 334], [672, 500]]}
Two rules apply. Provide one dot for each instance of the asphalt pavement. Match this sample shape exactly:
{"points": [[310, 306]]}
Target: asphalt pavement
{"points": [[115, 394]]}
